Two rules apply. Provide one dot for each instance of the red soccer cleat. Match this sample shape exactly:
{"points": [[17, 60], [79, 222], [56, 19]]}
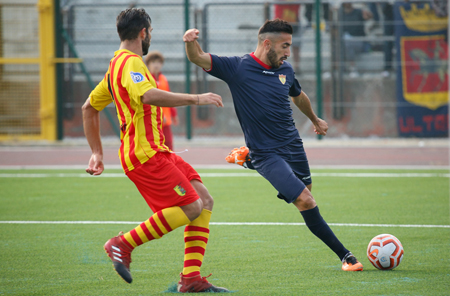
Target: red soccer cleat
{"points": [[197, 284], [120, 254]]}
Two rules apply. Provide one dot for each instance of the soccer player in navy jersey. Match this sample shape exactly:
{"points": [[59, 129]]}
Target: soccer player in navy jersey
{"points": [[261, 83]]}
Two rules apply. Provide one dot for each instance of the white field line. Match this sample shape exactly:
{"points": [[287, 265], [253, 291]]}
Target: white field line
{"points": [[225, 175], [231, 224]]}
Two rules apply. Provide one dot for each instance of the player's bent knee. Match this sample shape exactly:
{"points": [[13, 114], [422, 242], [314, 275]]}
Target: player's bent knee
{"points": [[305, 201], [202, 191], [208, 202], [193, 210]]}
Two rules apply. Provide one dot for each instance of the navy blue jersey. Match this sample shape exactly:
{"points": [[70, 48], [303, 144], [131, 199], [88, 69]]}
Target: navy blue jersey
{"points": [[261, 97]]}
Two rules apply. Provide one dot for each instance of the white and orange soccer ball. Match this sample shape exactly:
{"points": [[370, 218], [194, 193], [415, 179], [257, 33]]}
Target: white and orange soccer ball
{"points": [[385, 252]]}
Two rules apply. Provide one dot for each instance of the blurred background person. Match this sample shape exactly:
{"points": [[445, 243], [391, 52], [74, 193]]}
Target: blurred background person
{"points": [[353, 26], [388, 30], [387, 22], [309, 10], [291, 14], [155, 61], [373, 7]]}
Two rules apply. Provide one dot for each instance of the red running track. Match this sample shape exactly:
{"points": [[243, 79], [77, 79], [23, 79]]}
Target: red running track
{"points": [[319, 156]]}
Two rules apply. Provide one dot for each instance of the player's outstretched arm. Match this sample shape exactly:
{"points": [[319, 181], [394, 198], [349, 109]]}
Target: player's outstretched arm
{"points": [[157, 97], [303, 103], [194, 51], [91, 124]]}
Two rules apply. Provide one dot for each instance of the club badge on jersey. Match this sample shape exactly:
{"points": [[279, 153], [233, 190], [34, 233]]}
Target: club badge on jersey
{"points": [[282, 78]]}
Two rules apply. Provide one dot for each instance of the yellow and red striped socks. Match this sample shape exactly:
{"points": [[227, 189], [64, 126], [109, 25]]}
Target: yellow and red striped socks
{"points": [[159, 224], [196, 236]]}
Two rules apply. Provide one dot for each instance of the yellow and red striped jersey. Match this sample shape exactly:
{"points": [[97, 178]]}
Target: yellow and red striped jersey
{"points": [[124, 84]]}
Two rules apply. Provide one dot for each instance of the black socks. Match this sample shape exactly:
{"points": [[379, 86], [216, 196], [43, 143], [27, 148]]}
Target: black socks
{"points": [[320, 228]]}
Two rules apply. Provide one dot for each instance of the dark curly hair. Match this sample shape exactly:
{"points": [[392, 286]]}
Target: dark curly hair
{"points": [[131, 21]]}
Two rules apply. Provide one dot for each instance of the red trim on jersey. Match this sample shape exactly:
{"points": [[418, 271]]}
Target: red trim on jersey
{"points": [[119, 108], [148, 124], [160, 131], [260, 62], [132, 135], [155, 78], [209, 70], [195, 238], [149, 127], [126, 100], [196, 228]]}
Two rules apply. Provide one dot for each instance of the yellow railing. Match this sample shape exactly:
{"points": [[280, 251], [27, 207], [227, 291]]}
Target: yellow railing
{"points": [[47, 75]]}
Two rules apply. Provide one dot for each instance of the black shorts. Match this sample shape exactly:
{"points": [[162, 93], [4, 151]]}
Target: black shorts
{"points": [[286, 168]]}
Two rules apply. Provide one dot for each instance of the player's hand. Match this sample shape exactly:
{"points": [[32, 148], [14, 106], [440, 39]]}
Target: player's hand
{"points": [[95, 166], [321, 127], [210, 99], [191, 35]]}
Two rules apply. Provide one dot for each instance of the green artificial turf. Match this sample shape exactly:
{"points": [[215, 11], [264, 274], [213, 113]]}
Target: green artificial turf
{"points": [[68, 259]]}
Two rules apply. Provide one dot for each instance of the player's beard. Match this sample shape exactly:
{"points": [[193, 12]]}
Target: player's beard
{"points": [[274, 61], [145, 44]]}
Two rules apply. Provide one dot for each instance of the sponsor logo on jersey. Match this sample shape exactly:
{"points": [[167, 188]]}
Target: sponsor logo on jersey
{"points": [[180, 190], [282, 78], [136, 77], [268, 72]]}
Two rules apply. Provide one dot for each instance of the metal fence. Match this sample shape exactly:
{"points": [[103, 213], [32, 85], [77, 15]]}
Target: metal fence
{"points": [[92, 32], [19, 79], [359, 95]]}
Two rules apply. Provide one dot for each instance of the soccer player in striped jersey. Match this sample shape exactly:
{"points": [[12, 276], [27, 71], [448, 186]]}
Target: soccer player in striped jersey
{"points": [[169, 185], [261, 83]]}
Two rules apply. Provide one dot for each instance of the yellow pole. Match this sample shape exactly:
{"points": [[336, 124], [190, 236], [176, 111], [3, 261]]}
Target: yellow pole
{"points": [[47, 70]]}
